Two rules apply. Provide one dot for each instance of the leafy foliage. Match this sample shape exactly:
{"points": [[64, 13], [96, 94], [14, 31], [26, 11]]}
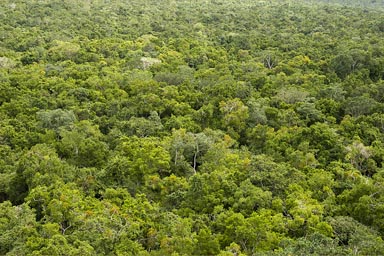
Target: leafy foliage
{"points": [[191, 127]]}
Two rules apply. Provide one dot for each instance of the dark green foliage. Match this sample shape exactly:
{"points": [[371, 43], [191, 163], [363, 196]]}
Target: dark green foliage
{"points": [[191, 127]]}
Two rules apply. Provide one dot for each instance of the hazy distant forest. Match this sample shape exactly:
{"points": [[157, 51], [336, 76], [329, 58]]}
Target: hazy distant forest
{"points": [[191, 127]]}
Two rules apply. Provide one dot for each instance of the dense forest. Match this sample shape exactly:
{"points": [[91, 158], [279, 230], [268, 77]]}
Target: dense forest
{"points": [[191, 127]]}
